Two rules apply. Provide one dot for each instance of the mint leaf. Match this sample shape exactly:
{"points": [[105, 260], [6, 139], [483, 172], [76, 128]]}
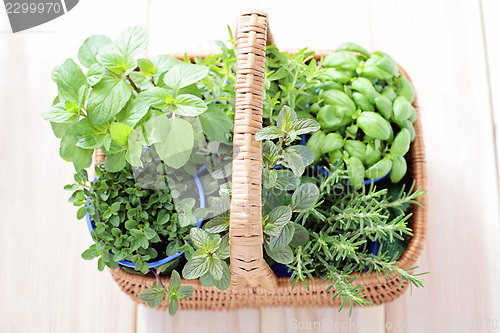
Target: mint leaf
{"points": [[300, 236], [283, 256], [217, 225], [146, 66], [186, 291], [200, 237], [294, 161], [156, 97], [305, 197], [113, 60], [286, 180], [184, 74], [133, 112], [195, 267], [189, 105], [88, 135], [82, 158], [59, 114], [279, 216], [120, 132], [70, 79], [95, 74], [115, 162], [225, 281], [283, 238], [173, 306], [176, 149], [175, 281], [107, 98], [286, 118], [164, 62], [68, 147], [216, 124], [305, 125], [90, 48], [306, 153], [268, 133], [215, 267], [132, 42]]}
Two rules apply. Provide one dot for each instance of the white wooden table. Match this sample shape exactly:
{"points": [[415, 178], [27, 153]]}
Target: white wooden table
{"points": [[450, 48]]}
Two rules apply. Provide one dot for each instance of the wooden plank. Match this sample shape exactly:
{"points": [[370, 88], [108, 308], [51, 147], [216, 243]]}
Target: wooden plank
{"points": [[45, 285], [277, 320], [440, 44], [236, 321]]}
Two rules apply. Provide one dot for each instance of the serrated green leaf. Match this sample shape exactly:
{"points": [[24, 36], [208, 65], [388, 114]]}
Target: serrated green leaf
{"points": [[225, 281], [189, 105], [305, 197], [70, 79], [59, 114], [283, 256], [294, 161], [156, 97], [216, 124], [107, 98], [115, 162], [268, 133], [283, 238], [195, 267], [217, 224], [305, 125], [300, 236], [184, 74], [90, 48], [119, 132], [286, 180], [132, 41]]}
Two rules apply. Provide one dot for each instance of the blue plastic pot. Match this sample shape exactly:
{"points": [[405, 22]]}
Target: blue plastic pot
{"points": [[160, 262]]}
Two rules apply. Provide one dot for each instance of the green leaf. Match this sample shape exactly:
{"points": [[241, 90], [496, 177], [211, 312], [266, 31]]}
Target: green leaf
{"points": [[114, 61], [195, 267], [95, 74], [286, 180], [88, 135], [146, 66], [283, 256], [217, 224], [164, 62], [173, 306], [200, 237], [305, 125], [81, 212], [286, 119], [342, 60], [269, 177], [115, 162], [207, 280], [300, 236], [268, 133], [283, 238], [354, 48], [294, 161], [365, 87], [341, 101], [132, 42], [401, 143], [59, 114], [384, 106], [215, 267], [379, 169], [120, 132], [186, 219], [189, 105], [305, 197], [225, 281], [107, 98], [90, 48], [380, 66], [82, 158], [332, 142], [398, 169], [306, 153], [279, 216], [405, 88], [216, 124], [184, 74], [70, 79], [60, 129], [175, 281], [356, 172], [156, 97], [374, 125], [223, 249], [355, 148], [89, 254], [402, 110], [176, 149], [187, 291], [133, 112]]}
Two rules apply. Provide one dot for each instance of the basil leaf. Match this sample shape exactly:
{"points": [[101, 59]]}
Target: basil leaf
{"points": [[342, 60], [374, 125], [107, 98], [401, 143], [70, 79], [402, 110], [176, 149], [362, 102], [332, 142], [405, 88], [305, 197], [355, 149], [398, 169], [372, 154], [354, 48], [379, 169], [189, 105], [132, 42], [356, 172], [384, 106], [90, 48], [184, 74], [341, 101], [315, 142], [365, 87]]}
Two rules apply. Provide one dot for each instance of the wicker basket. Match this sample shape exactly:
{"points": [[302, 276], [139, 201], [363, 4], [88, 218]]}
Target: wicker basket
{"points": [[253, 284]]}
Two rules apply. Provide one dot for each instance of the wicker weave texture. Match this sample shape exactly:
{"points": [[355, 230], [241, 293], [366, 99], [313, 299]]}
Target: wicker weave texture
{"points": [[253, 283]]}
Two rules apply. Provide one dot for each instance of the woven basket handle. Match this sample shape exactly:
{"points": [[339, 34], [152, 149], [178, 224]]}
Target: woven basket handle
{"points": [[248, 268]]}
